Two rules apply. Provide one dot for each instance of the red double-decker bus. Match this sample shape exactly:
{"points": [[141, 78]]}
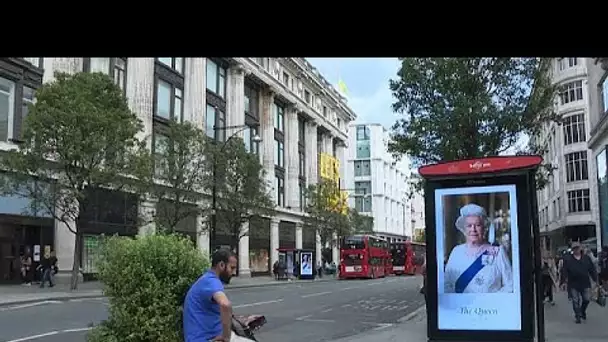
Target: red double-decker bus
{"points": [[401, 258], [418, 255], [407, 257], [363, 256]]}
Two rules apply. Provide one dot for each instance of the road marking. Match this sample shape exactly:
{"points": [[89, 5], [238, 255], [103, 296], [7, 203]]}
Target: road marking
{"points": [[307, 319], [327, 310], [412, 314], [50, 333], [29, 305], [76, 330], [258, 303], [34, 337], [316, 294]]}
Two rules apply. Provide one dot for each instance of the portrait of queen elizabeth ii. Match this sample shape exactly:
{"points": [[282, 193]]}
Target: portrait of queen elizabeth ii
{"points": [[477, 266]]}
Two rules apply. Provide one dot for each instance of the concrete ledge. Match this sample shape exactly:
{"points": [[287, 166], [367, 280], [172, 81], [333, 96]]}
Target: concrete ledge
{"points": [[412, 315]]}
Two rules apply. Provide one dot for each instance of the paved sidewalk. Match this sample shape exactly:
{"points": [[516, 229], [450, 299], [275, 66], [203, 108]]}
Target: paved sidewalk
{"points": [[19, 294], [559, 326]]}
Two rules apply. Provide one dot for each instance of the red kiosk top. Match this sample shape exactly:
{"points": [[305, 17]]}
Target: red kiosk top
{"points": [[480, 165]]}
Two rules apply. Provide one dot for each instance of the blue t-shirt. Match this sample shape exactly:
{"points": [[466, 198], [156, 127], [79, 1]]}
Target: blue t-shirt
{"points": [[201, 313]]}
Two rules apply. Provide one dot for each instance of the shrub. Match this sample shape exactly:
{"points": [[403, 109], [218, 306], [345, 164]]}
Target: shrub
{"points": [[146, 280]]}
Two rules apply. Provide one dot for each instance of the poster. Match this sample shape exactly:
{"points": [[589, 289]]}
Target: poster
{"points": [[36, 253], [478, 275], [306, 263]]}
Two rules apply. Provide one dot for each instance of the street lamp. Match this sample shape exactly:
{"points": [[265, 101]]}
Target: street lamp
{"points": [[256, 138]]}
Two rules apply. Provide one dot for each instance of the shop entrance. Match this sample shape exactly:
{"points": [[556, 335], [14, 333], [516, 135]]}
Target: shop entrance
{"points": [[19, 235]]}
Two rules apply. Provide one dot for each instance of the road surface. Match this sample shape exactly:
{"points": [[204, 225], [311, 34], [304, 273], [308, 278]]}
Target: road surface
{"points": [[305, 312]]}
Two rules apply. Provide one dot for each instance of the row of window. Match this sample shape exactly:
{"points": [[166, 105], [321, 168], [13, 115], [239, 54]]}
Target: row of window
{"points": [[578, 201], [576, 166], [571, 92]]}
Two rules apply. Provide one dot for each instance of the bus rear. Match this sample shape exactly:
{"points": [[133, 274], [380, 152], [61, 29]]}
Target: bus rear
{"points": [[354, 257], [399, 256], [419, 253]]}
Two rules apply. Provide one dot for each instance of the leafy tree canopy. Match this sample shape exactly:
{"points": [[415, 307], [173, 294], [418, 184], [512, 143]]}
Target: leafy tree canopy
{"points": [[178, 175], [459, 108], [78, 136], [240, 186], [324, 212]]}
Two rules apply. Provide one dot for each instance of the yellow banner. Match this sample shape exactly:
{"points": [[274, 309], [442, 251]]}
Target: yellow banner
{"points": [[329, 167]]}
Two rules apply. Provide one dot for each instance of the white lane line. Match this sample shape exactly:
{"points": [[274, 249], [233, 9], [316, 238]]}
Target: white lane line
{"points": [[412, 314], [307, 319], [50, 333], [316, 294], [34, 337], [257, 303], [76, 330], [327, 310], [29, 305]]}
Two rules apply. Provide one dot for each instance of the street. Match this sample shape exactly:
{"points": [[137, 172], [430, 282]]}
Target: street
{"points": [[321, 311]]}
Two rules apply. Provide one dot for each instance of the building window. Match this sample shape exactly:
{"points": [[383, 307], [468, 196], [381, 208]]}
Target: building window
{"points": [[169, 100], [362, 168], [302, 164], [161, 143], [7, 107], [604, 95], [565, 63], [574, 129], [301, 131], [280, 186], [325, 111], [576, 166], [215, 120], [115, 67], [216, 78], [216, 99], [571, 92], [18, 84], [363, 188], [363, 204], [175, 63], [362, 133], [302, 186], [286, 79], [279, 117], [307, 97], [280, 153], [578, 201], [251, 101], [35, 61], [363, 149], [251, 145]]}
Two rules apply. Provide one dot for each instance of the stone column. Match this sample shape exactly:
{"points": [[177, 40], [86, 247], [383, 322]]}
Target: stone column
{"points": [[235, 107], [194, 92], [274, 240], [335, 252], [311, 153], [267, 132], [299, 226], [202, 234], [140, 93], [146, 214], [293, 169], [341, 152], [318, 248], [244, 270]]}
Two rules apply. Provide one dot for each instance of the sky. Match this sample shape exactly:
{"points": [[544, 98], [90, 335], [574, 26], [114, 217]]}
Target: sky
{"points": [[367, 80]]}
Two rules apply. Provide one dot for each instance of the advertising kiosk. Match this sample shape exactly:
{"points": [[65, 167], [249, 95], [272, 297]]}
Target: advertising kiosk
{"points": [[303, 258], [483, 250]]}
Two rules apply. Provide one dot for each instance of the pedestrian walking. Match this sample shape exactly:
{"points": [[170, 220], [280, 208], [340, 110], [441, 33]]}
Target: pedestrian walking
{"points": [[547, 283], [576, 271], [26, 268], [48, 265]]}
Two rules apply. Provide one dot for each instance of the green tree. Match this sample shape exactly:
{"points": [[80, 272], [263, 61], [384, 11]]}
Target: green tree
{"points": [[420, 237], [179, 175], [323, 211], [79, 136], [458, 108], [146, 280], [360, 224], [240, 187]]}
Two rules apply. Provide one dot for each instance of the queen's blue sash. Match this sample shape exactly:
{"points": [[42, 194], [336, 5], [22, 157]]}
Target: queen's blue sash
{"points": [[465, 278]]}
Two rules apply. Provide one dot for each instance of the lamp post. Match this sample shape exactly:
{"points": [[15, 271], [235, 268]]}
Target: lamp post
{"points": [[256, 138]]}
